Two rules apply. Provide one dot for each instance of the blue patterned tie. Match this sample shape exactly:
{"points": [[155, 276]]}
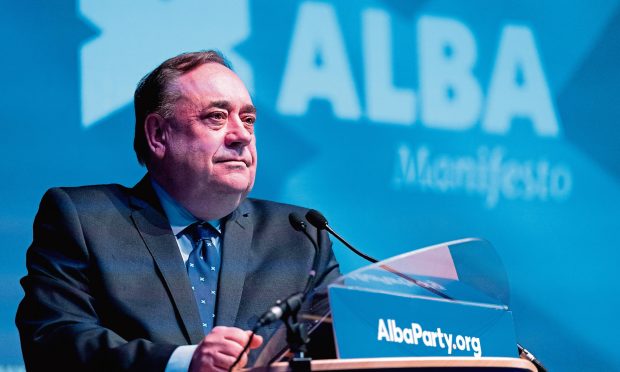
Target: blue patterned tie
{"points": [[203, 267]]}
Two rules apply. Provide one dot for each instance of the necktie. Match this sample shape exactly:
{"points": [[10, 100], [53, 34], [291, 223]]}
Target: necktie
{"points": [[203, 267]]}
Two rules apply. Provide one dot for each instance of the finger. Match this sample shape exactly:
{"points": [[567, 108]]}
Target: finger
{"points": [[215, 343], [256, 341], [230, 348], [233, 334], [243, 360], [225, 361]]}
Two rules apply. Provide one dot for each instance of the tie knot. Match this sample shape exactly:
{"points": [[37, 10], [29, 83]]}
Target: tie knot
{"points": [[201, 230]]}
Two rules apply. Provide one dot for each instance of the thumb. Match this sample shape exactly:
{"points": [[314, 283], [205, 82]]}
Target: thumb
{"points": [[256, 341]]}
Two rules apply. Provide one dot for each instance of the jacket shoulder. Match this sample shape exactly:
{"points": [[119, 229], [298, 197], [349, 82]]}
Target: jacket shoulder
{"points": [[91, 198], [91, 190]]}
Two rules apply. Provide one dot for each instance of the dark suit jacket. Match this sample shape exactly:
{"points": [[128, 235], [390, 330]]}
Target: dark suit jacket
{"points": [[107, 288]]}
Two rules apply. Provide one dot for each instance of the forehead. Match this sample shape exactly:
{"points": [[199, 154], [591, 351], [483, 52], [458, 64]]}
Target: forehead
{"points": [[212, 82]]}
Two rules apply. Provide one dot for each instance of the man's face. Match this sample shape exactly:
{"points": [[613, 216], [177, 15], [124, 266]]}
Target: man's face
{"points": [[210, 144]]}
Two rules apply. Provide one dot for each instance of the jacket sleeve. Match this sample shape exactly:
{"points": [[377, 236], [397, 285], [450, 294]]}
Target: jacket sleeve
{"points": [[57, 320]]}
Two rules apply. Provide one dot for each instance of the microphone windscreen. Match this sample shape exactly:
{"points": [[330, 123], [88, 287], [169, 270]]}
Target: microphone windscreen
{"points": [[296, 221], [316, 219]]}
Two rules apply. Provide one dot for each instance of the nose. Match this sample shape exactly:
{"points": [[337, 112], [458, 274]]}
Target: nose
{"points": [[238, 135]]}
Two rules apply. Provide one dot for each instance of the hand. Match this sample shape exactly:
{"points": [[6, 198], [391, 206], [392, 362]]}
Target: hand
{"points": [[220, 348]]}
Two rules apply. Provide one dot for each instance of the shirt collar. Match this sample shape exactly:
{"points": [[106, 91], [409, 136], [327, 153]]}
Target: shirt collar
{"points": [[178, 216]]}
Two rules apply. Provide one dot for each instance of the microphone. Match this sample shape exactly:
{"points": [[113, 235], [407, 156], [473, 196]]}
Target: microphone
{"points": [[299, 225], [290, 305], [293, 303], [319, 221]]}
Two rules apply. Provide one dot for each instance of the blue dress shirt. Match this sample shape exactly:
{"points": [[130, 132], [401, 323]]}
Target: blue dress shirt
{"points": [[180, 218]]}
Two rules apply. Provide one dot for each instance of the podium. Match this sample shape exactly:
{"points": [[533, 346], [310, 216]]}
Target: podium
{"points": [[438, 364], [443, 307]]}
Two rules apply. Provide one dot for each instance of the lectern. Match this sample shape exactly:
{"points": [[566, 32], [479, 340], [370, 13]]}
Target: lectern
{"points": [[421, 364], [443, 307]]}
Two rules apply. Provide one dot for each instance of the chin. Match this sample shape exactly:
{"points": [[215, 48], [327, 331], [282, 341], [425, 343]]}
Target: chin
{"points": [[235, 186]]}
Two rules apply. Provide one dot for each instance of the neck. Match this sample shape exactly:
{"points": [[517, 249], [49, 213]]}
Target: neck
{"points": [[201, 203], [211, 208]]}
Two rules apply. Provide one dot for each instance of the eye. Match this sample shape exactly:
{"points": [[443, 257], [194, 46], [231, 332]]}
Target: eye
{"points": [[217, 115], [249, 119]]}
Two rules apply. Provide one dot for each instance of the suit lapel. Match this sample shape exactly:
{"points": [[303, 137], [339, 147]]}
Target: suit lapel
{"points": [[154, 228], [235, 251]]}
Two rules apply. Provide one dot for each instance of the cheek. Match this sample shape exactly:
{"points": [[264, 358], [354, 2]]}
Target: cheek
{"points": [[203, 149], [254, 153]]}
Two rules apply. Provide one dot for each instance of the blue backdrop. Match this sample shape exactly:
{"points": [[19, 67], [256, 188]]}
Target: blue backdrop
{"points": [[407, 123]]}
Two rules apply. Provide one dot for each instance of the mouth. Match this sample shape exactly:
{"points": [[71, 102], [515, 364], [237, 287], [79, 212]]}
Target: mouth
{"points": [[235, 162]]}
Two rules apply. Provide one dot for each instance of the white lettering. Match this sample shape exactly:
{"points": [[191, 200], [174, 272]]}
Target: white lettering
{"points": [[450, 94], [490, 174], [440, 335], [561, 182], [317, 66], [427, 338], [408, 335], [398, 332], [413, 334], [382, 331], [518, 86], [417, 332], [448, 338], [384, 102], [449, 98], [475, 344]]}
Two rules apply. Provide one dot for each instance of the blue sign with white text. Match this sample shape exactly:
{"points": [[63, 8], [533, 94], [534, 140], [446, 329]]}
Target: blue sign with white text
{"points": [[373, 324]]}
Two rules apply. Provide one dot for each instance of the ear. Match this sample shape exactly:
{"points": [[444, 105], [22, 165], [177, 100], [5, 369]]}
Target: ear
{"points": [[155, 130]]}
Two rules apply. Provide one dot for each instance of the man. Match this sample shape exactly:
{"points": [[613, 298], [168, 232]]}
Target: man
{"points": [[111, 281]]}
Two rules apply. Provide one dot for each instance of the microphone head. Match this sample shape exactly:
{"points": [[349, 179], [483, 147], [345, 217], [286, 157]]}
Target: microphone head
{"points": [[316, 219], [296, 221]]}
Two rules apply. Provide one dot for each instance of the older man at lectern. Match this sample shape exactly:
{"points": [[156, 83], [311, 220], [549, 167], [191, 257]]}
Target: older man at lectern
{"points": [[169, 274]]}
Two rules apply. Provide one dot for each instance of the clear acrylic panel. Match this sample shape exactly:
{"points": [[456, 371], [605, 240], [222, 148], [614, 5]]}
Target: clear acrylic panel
{"points": [[467, 270]]}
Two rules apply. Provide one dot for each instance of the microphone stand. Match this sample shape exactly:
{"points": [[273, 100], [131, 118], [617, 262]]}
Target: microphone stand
{"points": [[296, 333], [288, 310], [296, 336]]}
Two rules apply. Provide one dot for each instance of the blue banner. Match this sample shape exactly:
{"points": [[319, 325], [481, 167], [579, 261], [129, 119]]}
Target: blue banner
{"points": [[407, 123]]}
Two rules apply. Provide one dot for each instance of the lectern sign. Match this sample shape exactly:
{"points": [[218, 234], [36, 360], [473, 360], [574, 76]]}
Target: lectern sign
{"points": [[446, 300], [374, 324]]}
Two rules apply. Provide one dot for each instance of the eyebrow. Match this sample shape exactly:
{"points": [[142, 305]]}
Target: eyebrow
{"points": [[248, 109], [226, 105]]}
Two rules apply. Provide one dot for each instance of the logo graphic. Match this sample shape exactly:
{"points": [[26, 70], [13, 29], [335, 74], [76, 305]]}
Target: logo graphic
{"points": [[134, 37]]}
